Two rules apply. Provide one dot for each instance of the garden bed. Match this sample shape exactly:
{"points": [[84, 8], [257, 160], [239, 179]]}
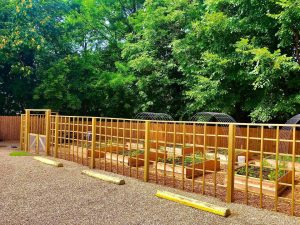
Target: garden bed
{"points": [[185, 165], [169, 149], [134, 145], [86, 152], [285, 162], [133, 158], [268, 182], [104, 150], [180, 150], [222, 154]]}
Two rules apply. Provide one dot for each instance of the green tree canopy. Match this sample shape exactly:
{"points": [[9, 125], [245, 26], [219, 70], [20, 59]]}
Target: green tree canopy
{"points": [[117, 58]]}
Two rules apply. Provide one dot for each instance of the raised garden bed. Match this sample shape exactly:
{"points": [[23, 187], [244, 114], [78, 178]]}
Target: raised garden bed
{"points": [[222, 154], [132, 158], [104, 150], [84, 152], [179, 150], [187, 166], [268, 182], [78, 150], [283, 161], [134, 145]]}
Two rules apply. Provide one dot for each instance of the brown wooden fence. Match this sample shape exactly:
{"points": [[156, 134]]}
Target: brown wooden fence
{"points": [[182, 133], [10, 128], [255, 164]]}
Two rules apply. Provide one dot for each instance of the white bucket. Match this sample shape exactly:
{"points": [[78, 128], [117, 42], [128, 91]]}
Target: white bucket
{"points": [[241, 159]]}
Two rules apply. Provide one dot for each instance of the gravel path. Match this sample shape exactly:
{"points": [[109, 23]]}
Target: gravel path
{"points": [[34, 193]]}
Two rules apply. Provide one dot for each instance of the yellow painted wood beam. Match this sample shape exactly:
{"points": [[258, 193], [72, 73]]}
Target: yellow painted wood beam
{"points": [[107, 178], [48, 161], [194, 203]]}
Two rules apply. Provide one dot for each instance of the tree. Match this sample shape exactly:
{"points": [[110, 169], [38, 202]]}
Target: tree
{"points": [[90, 79], [236, 63], [117, 58], [148, 54], [27, 31]]}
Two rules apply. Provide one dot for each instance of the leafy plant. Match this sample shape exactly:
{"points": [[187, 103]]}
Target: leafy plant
{"points": [[265, 163], [117, 58], [272, 174], [133, 153], [286, 158], [187, 161], [268, 173]]}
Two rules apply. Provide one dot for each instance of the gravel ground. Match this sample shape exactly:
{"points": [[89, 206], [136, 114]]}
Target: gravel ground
{"points": [[34, 193]]}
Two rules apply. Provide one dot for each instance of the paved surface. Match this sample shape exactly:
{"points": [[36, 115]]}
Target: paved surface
{"points": [[35, 193]]}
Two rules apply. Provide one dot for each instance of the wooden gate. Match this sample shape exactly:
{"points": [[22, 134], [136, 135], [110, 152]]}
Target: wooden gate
{"points": [[37, 143], [35, 131]]}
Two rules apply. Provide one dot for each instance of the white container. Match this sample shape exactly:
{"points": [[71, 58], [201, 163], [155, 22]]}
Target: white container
{"points": [[241, 160]]}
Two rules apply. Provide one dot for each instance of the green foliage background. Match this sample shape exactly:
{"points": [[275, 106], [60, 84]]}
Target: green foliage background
{"points": [[120, 57]]}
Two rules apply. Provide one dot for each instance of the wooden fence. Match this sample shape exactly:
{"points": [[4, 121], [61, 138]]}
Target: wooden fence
{"points": [[182, 133], [256, 164], [10, 128]]}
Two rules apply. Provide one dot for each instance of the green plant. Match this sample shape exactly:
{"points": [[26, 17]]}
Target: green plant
{"points": [[133, 153], [272, 174], [285, 158], [241, 171], [252, 171], [168, 160], [267, 173], [281, 171], [194, 158], [187, 161], [222, 151], [265, 163]]}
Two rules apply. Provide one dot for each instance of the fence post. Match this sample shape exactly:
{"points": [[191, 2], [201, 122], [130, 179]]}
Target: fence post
{"points": [[92, 164], [27, 129], [37, 147], [21, 133], [47, 121], [56, 136], [231, 163], [147, 151]]}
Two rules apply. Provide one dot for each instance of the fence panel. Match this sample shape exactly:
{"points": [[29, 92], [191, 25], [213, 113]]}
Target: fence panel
{"points": [[255, 164], [10, 128]]}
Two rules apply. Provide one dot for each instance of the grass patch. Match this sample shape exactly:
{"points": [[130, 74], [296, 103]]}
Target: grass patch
{"points": [[20, 153]]}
